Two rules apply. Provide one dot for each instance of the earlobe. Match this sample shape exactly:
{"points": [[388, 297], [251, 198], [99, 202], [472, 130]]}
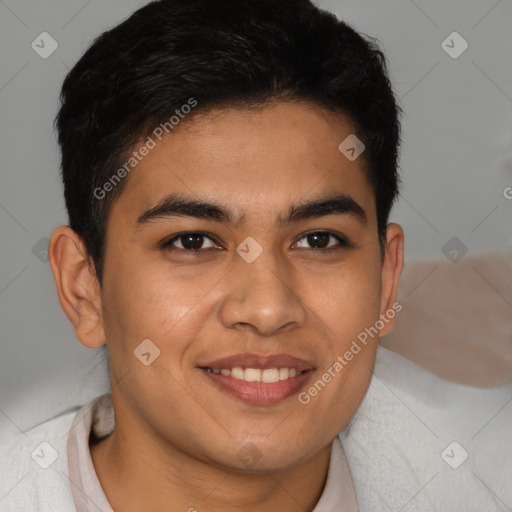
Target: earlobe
{"points": [[77, 286], [391, 272]]}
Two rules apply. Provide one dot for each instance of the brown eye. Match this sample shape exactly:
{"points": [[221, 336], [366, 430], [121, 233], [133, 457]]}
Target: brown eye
{"points": [[322, 240], [190, 242], [318, 240]]}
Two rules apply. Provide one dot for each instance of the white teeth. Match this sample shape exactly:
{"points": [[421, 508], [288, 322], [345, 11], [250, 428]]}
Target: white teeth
{"points": [[268, 375], [252, 375], [237, 373]]}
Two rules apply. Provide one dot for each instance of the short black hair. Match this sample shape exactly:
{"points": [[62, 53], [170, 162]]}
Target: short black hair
{"points": [[216, 54]]}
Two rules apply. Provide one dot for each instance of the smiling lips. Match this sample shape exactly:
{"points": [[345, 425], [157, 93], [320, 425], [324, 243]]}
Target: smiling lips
{"points": [[259, 379]]}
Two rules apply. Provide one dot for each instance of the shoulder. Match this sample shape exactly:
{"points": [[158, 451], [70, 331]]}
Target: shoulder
{"points": [[34, 467], [417, 432]]}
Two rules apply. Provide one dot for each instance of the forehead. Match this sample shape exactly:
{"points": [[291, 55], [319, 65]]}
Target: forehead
{"points": [[255, 161]]}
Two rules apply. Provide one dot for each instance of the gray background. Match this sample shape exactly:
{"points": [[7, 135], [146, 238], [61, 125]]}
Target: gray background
{"points": [[456, 163]]}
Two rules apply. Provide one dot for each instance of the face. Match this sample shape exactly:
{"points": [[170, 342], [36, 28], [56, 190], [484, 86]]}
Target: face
{"points": [[245, 243]]}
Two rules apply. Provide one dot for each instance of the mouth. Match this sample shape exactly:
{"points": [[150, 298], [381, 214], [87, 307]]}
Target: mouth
{"points": [[266, 375], [259, 380]]}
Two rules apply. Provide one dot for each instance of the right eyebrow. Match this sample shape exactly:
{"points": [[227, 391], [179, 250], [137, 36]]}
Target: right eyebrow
{"points": [[176, 205]]}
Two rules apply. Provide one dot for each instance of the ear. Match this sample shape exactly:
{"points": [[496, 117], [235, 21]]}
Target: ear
{"points": [[78, 288], [391, 271]]}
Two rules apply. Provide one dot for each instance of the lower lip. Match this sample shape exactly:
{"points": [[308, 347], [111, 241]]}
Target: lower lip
{"points": [[259, 393]]}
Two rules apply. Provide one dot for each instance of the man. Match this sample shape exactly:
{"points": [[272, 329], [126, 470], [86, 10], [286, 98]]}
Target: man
{"points": [[229, 169]]}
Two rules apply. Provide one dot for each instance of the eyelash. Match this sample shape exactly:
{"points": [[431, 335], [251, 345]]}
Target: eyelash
{"points": [[342, 242]]}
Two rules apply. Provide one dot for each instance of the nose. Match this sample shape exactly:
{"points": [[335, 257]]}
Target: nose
{"points": [[261, 298]]}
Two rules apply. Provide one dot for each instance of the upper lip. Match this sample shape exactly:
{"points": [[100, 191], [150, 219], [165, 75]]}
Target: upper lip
{"points": [[259, 361]]}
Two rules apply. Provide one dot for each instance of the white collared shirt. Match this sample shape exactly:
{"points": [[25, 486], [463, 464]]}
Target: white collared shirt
{"points": [[416, 444], [53, 470]]}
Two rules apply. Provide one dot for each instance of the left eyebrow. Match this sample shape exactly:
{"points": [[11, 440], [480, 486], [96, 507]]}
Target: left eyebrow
{"points": [[178, 205], [337, 204]]}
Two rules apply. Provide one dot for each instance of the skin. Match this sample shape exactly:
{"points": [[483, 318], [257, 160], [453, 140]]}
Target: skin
{"points": [[178, 437]]}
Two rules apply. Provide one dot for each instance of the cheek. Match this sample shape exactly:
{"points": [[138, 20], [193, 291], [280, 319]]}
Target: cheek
{"points": [[347, 301], [348, 307], [156, 302]]}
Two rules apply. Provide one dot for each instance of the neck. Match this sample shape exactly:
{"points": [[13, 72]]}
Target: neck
{"points": [[135, 476]]}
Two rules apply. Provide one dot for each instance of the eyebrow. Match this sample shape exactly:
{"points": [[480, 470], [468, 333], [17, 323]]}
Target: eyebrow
{"points": [[175, 205]]}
